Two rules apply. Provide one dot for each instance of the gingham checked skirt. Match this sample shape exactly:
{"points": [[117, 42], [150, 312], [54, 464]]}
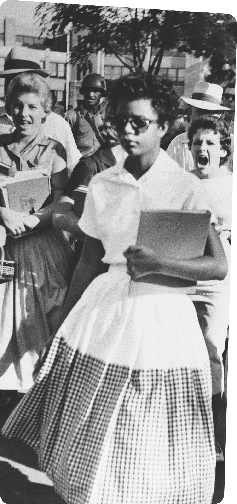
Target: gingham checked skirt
{"points": [[121, 409]]}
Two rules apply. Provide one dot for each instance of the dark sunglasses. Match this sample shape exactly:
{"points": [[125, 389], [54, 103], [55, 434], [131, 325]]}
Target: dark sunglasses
{"points": [[139, 124]]}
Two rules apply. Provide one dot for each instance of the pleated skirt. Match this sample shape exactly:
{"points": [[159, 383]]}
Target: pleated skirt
{"points": [[30, 304], [121, 409]]}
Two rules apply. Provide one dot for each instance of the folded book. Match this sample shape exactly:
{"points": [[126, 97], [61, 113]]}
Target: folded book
{"points": [[173, 234], [26, 192]]}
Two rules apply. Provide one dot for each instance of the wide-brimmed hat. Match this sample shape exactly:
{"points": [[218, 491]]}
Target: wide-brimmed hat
{"points": [[206, 96], [16, 62]]}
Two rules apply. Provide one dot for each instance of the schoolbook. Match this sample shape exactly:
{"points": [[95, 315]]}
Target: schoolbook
{"points": [[173, 234], [25, 192]]}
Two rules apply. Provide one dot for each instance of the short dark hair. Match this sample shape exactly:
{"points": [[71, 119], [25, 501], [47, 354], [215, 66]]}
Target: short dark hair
{"points": [[216, 124], [29, 83], [145, 86]]}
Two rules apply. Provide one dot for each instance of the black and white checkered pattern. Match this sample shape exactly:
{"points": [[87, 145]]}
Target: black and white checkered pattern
{"points": [[106, 435]]}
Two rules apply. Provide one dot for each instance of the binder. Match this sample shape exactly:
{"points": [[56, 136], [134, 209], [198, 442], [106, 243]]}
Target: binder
{"points": [[173, 234]]}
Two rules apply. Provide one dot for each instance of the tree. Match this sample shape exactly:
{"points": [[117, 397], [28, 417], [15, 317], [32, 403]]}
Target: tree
{"points": [[139, 37]]}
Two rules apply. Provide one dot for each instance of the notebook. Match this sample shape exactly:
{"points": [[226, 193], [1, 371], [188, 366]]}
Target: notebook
{"points": [[24, 192], [173, 234]]}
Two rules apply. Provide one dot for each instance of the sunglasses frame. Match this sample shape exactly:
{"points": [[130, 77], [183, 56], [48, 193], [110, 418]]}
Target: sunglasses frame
{"points": [[137, 129]]}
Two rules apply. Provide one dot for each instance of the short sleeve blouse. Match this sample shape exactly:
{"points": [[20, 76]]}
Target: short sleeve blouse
{"points": [[43, 154], [115, 199]]}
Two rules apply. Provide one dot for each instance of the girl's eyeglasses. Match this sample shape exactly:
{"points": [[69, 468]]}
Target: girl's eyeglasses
{"points": [[139, 124]]}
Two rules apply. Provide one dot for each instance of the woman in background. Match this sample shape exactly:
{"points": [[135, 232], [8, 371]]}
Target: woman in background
{"points": [[30, 304]]}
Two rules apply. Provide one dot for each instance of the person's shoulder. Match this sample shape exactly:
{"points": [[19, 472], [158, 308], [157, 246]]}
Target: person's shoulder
{"points": [[181, 138], [108, 175], [179, 142], [184, 177], [56, 146], [71, 115], [53, 118], [170, 164]]}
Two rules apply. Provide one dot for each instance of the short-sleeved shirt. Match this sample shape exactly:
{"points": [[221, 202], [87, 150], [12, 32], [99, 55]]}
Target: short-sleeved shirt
{"points": [[87, 168], [57, 128], [42, 154], [88, 139], [54, 127], [219, 192], [179, 150], [115, 199]]}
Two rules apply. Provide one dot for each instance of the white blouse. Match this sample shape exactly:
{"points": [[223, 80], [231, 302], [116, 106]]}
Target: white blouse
{"points": [[115, 199]]}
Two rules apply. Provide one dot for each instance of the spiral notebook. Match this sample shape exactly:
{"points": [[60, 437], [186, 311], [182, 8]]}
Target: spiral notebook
{"points": [[173, 234]]}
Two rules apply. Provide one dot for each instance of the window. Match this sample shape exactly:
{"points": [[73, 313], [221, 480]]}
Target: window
{"points": [[26, 40], [59, 96], [163, 72], [181, 75], [125, 70], [82, 71], [57, 70], [115, 71], [172, 75], [61, 70], [53, 69]]}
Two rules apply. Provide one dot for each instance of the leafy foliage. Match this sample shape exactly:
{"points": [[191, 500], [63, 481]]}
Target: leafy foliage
{"points": [[139, 37]]}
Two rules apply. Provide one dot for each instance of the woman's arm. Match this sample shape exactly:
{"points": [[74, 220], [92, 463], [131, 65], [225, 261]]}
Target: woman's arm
{"points": [[87, 269], [43, 217], [211, 266], [15, 222], [65, 219]]}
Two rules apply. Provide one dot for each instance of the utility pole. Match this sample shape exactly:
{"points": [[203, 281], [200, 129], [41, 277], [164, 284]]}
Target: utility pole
{"points": [[68, 66]]}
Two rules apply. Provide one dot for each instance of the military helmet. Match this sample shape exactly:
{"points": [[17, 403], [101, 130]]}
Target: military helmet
{"points": [[94, 81]]}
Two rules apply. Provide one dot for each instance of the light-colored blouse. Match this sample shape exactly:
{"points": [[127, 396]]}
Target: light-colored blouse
{"points": [[115, 199]]}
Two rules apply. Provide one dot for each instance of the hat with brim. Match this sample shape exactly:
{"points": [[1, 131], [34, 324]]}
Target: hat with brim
{"points": [[16, 63], [206, 96]]}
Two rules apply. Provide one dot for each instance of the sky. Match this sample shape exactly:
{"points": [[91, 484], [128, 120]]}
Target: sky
{"points": [[24, 9]]}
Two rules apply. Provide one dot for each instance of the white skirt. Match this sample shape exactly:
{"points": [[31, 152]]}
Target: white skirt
{"points": [[121, 410]]}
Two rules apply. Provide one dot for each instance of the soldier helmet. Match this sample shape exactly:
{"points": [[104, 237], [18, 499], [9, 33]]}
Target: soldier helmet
{"points": [[94, 81]]}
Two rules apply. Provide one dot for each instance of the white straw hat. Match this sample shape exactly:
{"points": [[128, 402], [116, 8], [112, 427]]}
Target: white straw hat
{"points": [[206, 96]]}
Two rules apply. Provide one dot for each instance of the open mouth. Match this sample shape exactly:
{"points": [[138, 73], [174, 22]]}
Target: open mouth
{"points": [[202, 160]]}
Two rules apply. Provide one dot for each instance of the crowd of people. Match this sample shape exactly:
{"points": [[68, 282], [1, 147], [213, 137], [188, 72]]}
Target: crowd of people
{"points": [[117, 383]]}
